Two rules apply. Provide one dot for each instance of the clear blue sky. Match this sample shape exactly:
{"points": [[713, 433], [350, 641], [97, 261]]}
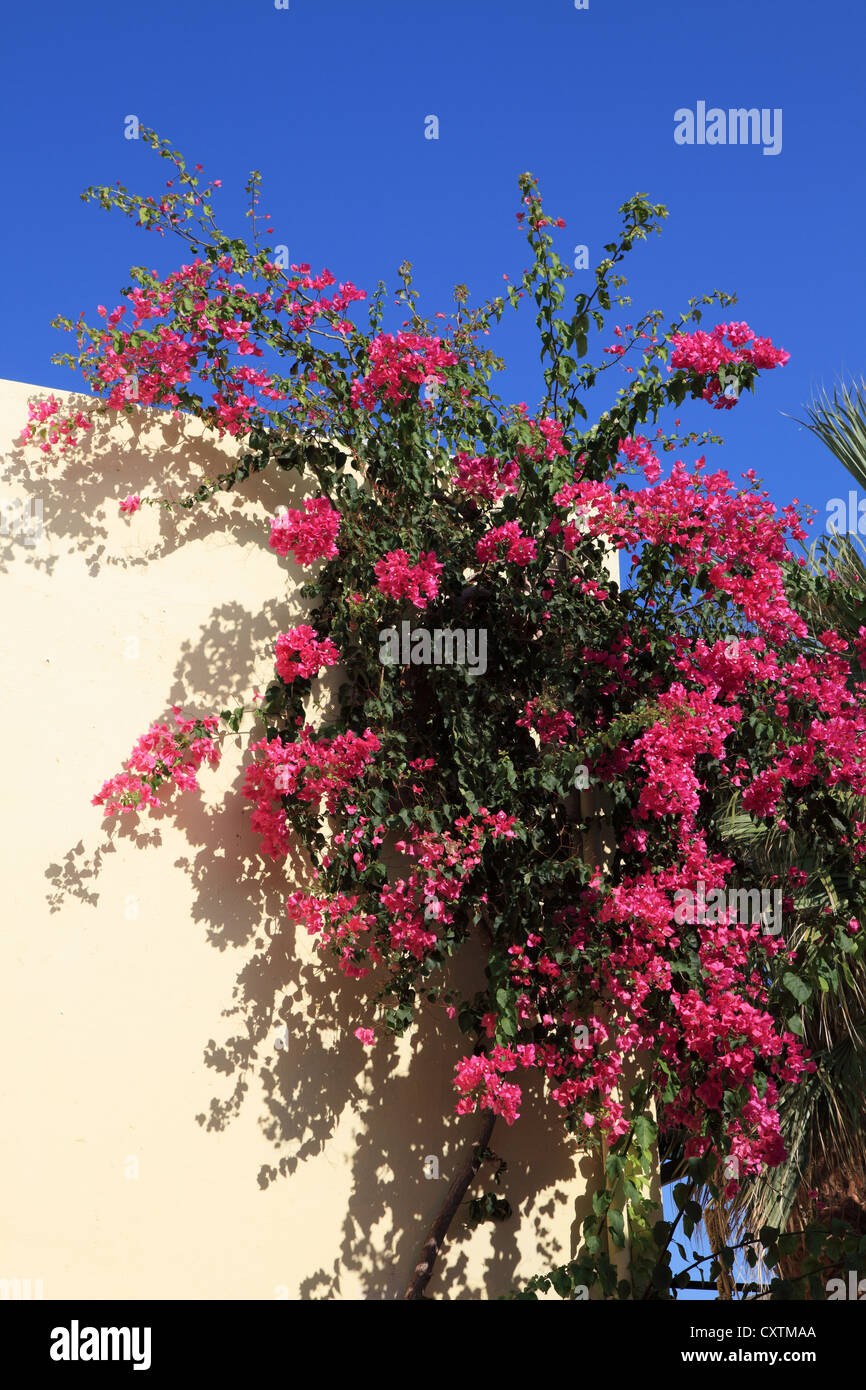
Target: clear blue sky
{"points": [[329, 97]]}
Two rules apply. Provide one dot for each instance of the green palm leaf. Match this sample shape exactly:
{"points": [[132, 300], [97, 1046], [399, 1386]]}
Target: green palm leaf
{"points": [[840, 423]]}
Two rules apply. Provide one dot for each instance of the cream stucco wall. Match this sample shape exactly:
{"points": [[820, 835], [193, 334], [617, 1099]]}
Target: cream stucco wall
{"points": [[156, 1141]]}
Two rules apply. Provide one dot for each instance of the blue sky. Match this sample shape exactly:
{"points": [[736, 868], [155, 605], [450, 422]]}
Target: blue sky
{"points": [[329, 97]]}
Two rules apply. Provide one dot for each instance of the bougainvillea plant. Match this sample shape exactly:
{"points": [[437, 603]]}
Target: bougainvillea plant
{"points": [[614, 713]]}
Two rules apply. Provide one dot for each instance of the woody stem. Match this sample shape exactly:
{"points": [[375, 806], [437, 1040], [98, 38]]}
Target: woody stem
{"points": [[454, 1196]]}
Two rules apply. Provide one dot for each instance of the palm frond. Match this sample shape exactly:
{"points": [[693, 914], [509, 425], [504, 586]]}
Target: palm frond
{"points": [[840, 423]]}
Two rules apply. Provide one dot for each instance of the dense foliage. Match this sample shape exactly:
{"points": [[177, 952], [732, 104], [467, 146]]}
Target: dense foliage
{"points": [[558, 799]]}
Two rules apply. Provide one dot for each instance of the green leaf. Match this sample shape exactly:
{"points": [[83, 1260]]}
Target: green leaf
{"points": [[617, 1226], [800, 990], [615, 1167], [600, 1202], [645, 1132]]}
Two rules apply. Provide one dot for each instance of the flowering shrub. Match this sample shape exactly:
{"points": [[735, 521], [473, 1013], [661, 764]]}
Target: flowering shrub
{"points": [[397, 364], [310, 534], [486, 479], [397, 578], [301, 653], [162, 755], [696, 680], [708, 354]]}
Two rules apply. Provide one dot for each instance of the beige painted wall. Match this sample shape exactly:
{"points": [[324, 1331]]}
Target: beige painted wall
{"points": [[155, 1140]]}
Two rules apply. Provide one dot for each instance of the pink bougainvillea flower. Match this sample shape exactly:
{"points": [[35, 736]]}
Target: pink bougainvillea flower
{"points": [[705, 353], [310, 534], [398, 578], [161, 755], [518, 549], [486, 479], [300, 652], [399, 364]]}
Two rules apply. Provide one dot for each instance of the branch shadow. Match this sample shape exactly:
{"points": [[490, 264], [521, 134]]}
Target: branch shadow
{"points": [[118, 457], [287, 1044]]}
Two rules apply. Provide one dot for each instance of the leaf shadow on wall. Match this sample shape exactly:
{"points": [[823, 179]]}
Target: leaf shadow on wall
{"points": [[397, 1101], [320, 1094], [81, 490]]}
